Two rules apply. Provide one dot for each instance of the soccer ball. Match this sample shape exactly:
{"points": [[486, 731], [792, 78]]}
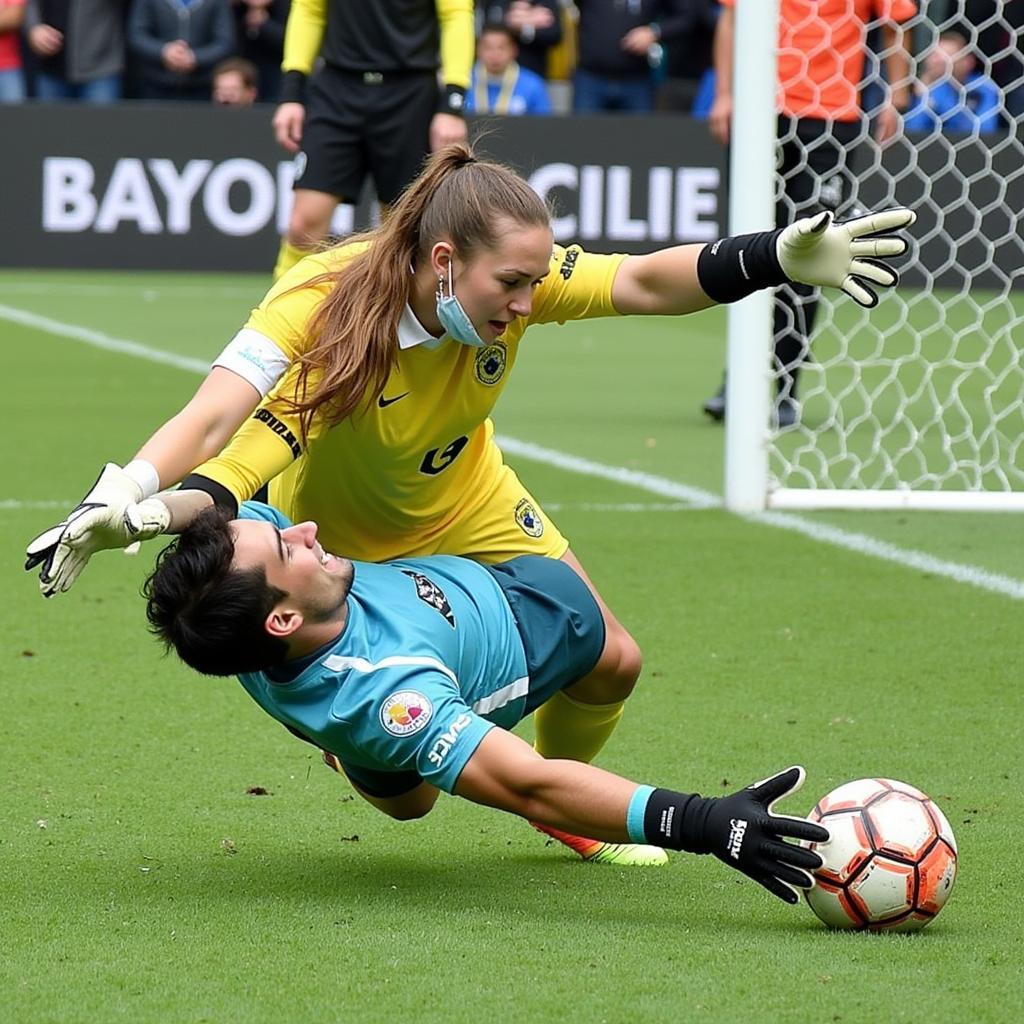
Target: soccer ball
{"points": [[891, 861]]}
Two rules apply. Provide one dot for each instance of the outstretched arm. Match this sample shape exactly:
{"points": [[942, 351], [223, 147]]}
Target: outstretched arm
{"points": [[851, 256], [741, 830], [507, 773], [202, 429]]}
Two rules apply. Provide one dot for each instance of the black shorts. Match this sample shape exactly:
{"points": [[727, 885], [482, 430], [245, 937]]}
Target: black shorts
{"points": [[360, 124]]}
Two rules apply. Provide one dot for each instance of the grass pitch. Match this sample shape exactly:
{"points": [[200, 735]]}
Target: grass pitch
{"points": [[144, 879]]}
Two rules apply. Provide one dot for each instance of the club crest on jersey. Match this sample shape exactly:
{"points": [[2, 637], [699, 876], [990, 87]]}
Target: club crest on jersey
{"points": [[405, 712], [430, 593], [529, 522], [490, 364]]}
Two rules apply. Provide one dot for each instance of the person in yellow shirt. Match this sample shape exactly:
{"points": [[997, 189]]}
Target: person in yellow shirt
{"points": [[372, 108], [361, 389]]}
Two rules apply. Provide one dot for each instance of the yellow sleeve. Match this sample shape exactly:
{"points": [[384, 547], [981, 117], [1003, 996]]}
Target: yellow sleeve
{"points": [[285, 312], [458, 41], [303, 34], [265, 445], [578, 286]]}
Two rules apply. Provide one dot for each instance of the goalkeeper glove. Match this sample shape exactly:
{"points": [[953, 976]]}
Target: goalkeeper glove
{"points": [[849, 256], [111, 515], [742, 831]]}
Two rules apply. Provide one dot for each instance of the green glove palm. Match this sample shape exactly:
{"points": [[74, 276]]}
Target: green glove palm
{"points": [[816, 251]]}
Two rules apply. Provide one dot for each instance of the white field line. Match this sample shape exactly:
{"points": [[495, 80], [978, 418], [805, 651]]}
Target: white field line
{"points": [[618, 506], [100, 340], [661, 486], [148, 292], [15, 505]]}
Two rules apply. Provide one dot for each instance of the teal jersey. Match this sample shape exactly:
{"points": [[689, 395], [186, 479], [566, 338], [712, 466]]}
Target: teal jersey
{"points": [[429, 661]]}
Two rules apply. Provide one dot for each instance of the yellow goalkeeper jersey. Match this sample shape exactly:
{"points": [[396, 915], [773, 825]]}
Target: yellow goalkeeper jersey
{"points": [[405, 470]]}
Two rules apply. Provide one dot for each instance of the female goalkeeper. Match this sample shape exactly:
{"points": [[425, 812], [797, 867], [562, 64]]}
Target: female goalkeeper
{"points": [[361, 387]]}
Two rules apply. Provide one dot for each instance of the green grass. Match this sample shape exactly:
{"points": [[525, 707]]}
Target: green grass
{"points": [[924, 392], [141, 882]]}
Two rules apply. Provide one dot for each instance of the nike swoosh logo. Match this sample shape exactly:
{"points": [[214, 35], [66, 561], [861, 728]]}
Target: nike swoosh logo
{"points": [[385, 402]]}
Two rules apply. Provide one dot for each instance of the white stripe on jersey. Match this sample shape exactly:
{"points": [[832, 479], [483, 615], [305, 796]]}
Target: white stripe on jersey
{"points": [[255, 358], [340, 663], [501, 697]]}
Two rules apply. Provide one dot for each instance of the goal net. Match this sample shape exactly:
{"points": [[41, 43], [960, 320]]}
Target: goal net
{"points": [[918, 402]]}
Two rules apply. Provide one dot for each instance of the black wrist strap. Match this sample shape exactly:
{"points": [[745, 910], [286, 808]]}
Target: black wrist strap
{"points": [[452, 100], [675, 821], [732, 268], [222, 497], [293, 87]]}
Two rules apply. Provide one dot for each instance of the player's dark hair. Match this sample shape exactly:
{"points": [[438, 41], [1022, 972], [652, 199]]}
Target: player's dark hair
{"points": [[458, 197], [213, 615]]}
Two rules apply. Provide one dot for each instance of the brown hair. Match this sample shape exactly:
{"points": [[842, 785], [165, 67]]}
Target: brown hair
{"points": [[457, 197], [245, 69]]}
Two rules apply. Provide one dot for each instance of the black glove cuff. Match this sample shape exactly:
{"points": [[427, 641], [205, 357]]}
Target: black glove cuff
{"points": [[293, 87], [733, 268], [675, 821], [452, 101], [222, 497]]}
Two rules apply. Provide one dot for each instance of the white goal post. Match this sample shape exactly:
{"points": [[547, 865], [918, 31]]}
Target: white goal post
{"points": [[918, 403]]}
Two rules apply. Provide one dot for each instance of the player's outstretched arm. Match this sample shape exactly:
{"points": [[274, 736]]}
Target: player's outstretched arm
{"points": [[853, 256], [742, 830]]}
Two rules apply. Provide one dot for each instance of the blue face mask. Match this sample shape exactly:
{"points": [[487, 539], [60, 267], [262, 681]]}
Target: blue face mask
{"points": [[452, 316]]}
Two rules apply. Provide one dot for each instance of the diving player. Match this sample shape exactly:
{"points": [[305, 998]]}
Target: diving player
{"points": [[408, 675]]}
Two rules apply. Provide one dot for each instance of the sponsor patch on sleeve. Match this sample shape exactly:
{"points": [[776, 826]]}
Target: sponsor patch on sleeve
{"points": [[405, 712]]}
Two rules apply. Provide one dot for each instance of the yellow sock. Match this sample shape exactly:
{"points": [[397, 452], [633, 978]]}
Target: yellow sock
{"points": [[287, 256], [568, 728]]}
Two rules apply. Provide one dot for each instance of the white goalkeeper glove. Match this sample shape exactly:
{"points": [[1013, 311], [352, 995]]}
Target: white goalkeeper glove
{"points": [[849, 256], [111, 515]]}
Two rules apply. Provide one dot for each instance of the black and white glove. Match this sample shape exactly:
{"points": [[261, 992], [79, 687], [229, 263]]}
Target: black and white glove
{"points": [[742, 831], [816, 251], [111, 515]]}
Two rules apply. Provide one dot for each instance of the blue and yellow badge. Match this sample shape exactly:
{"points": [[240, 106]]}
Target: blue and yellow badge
{"points": [[490, 363], [529, 521]]}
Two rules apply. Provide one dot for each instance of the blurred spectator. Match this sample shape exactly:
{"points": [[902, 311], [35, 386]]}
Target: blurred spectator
{"points": [[536, 26], [178, 43], [235, 83], [79, 46], [499, 85], [619, 48], [953, 95], [12, 81], [259, 29], [689, 75]]}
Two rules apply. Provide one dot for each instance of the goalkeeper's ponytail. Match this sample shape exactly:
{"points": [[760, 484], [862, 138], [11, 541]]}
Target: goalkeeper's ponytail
{"points": [[458, 197]]}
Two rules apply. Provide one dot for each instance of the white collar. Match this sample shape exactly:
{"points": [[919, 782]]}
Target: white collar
{"points": [[412, 333]]}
